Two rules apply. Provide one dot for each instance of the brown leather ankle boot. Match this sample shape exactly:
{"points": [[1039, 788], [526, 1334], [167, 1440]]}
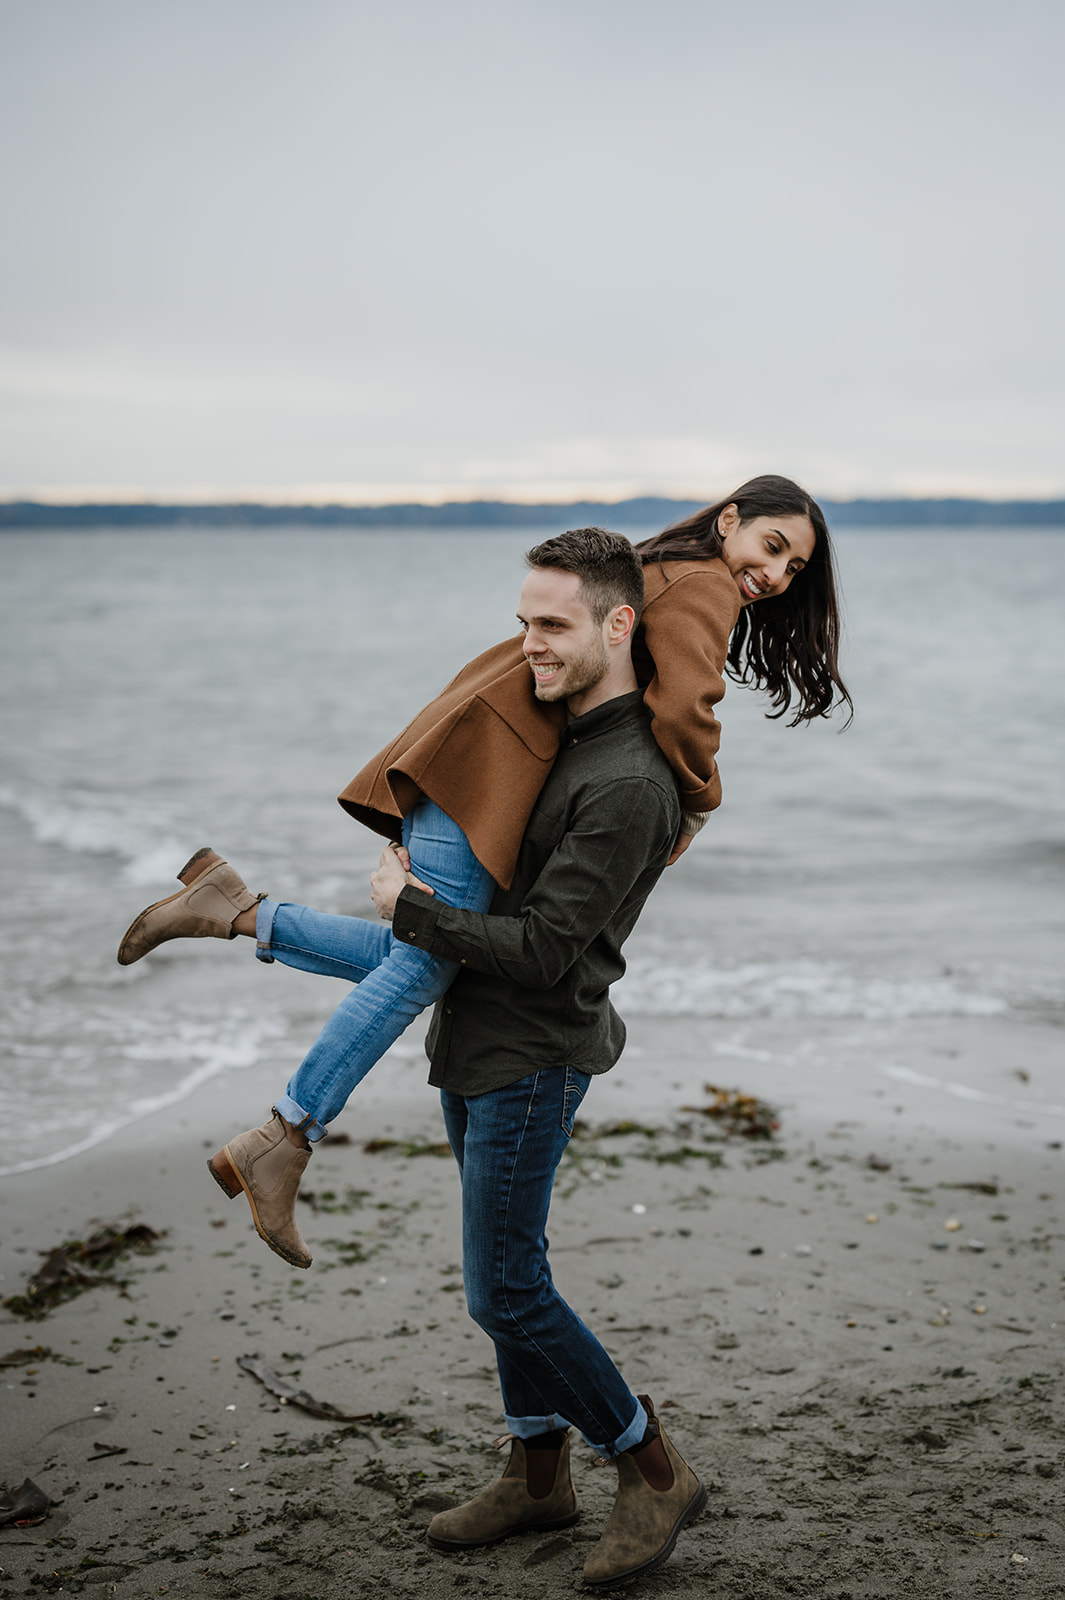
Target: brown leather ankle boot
{"points": [[506, 1506], [268, 1167], [206, 908], [645, 1523]]}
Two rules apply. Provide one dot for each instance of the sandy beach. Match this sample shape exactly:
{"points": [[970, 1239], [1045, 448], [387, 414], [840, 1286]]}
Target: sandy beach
{"points": [[318, 320], [854, 1331]]}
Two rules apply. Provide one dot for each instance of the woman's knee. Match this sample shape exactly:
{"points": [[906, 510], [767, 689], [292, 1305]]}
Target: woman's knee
{"points": [[424, 978]]}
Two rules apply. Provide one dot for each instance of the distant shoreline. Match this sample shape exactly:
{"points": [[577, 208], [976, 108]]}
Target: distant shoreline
{"points": [[643, 512]]}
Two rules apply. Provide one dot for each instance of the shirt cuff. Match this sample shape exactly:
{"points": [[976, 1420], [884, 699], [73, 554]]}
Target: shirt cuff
{"points": [[693, 821], [413, 920]]}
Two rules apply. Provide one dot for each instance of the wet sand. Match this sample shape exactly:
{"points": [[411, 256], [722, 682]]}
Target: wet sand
{"points": [[872, 1397]]}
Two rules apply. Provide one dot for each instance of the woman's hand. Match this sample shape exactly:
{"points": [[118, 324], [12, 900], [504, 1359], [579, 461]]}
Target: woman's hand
{"points": [[393, 875], [683, 841]]}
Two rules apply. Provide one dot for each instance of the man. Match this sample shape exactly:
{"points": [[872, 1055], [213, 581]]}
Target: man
{"points": [[515, 1041]]}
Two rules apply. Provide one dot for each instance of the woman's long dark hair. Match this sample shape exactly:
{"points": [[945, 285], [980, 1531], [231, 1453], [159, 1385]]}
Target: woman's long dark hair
{"points": [[786, 644]]}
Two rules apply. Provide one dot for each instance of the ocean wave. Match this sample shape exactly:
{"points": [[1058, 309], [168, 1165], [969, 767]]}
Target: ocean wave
{"points": [[689, 985], [93, 824], [964, 1091], [104, 1104]]}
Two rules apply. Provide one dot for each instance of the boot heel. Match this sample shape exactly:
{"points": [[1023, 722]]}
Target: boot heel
{"points": [[224, 1174], [202, 860]]}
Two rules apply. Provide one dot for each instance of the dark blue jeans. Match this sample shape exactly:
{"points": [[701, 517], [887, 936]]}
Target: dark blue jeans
{"points": [[552, 1370]]}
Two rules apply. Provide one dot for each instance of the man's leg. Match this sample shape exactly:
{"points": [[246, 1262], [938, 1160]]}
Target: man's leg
{"points": [[535, 1492], [552, 1368]]}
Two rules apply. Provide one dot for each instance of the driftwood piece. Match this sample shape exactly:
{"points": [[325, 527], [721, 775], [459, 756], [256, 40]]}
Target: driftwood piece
{"points": [[298, 1397]]}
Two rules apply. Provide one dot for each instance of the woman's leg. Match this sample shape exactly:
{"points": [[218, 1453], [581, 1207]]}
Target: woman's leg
{"points": [[552, 1369], [317, 941], [394, 982]]}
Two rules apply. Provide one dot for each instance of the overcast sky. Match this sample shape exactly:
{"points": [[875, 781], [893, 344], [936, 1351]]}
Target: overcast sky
{"points": [[369, 249]]}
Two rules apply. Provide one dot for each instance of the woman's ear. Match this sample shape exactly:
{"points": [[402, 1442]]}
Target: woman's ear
{"points": [[728, 519]]}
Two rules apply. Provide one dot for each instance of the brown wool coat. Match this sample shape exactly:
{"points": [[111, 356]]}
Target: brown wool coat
{"points": [[483, 748]]}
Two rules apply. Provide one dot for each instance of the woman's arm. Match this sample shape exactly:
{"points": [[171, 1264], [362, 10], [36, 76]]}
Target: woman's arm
{"points": [[690, 613]]}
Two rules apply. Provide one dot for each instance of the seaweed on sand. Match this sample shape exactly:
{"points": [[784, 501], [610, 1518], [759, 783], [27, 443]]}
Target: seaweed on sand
{"points": [[64, 1272], [406, 1147], [738, 1114]]}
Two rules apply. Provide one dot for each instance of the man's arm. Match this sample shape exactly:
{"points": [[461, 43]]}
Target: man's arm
{"points": [[618, 834]]}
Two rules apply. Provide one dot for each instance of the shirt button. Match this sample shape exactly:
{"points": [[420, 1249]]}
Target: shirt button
{"points": [[410, 936], [462, 961]]}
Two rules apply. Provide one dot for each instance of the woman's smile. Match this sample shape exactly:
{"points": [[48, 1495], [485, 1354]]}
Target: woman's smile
{"points": [[764, 553]]}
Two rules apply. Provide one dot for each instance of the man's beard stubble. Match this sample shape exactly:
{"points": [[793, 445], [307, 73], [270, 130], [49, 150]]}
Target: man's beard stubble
{"points": [[581, 673]]}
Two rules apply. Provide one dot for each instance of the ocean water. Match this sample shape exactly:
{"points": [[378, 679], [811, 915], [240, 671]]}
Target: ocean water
{"points": [[863, 900]]}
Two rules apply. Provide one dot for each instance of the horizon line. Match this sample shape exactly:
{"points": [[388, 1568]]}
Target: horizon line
{"points": [[644, 513], [119, 500]]}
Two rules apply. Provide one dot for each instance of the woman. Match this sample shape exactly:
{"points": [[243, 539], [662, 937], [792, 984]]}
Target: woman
{"points": [[767, 545]]}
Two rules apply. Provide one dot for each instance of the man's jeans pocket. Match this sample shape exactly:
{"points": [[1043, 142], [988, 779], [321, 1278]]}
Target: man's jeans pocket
{"points": [[576, 1087]]}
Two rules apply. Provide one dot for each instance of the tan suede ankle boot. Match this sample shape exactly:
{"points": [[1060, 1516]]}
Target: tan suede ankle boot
{"points": [[506, 1507], [206, 908], [645, 1523], [268, 1167]]}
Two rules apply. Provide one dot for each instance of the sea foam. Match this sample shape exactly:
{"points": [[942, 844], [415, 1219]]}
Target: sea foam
{"points": [[96, 824], [690, 984]]}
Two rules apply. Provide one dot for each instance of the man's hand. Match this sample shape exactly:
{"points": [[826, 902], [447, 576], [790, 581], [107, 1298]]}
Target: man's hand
{"points": [[390, 879], [683, 841]]}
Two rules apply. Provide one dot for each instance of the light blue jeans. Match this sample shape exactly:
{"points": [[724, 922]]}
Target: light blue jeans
{"points": [[394, 982]]}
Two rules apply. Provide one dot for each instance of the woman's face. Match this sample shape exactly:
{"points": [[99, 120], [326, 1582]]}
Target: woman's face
{"points": [[763, 555]]}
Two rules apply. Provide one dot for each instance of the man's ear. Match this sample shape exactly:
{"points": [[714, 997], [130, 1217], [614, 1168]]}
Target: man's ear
{"points": [[620, 624]]}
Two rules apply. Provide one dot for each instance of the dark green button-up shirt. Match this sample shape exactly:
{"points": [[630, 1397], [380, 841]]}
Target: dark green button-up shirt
{"points": [[533, 991]]}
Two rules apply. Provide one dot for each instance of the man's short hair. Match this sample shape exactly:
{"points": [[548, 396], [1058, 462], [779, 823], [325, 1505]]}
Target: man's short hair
{"points": [[610, 570]]}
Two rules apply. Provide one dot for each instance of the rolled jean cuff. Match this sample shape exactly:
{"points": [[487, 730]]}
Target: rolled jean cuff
{"points": [[533, 1427], [530, 1427], [265, 913], [632, 1435], [286, 1107]]}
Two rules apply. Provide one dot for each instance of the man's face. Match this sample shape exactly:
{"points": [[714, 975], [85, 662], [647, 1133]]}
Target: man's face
{"points": [[564, 645]]}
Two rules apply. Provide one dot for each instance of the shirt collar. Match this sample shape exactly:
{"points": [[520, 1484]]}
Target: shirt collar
{"points": [[602, 719]]}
